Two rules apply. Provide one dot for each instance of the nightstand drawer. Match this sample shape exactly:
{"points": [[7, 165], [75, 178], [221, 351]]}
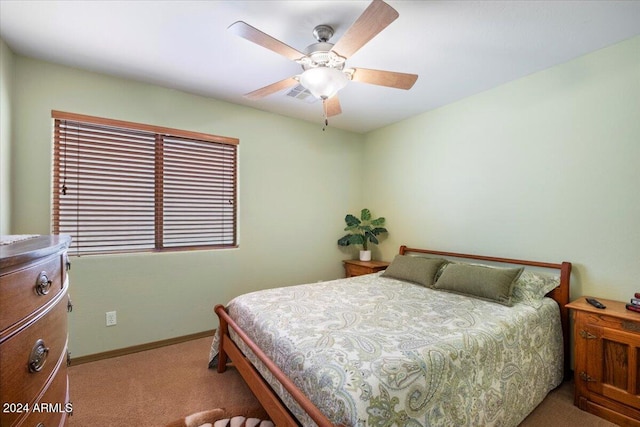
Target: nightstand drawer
{"points": [[358, 268]]}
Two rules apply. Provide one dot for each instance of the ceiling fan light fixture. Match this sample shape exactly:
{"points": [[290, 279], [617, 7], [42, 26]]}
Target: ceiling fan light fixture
{"points": [[323, 82], [323, 63]]}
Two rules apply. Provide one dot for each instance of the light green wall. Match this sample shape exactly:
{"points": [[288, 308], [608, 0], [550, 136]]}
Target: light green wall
{"points": [[546, 167], [296, 184], [6, 96]]}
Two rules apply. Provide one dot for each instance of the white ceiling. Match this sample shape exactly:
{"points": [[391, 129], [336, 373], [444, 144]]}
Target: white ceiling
{"points": [[458, 48]]}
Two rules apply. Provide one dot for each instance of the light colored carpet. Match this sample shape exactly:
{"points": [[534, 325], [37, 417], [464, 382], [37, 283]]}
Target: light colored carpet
{"points": [[153, 388], [557, 409], [160, 386]]}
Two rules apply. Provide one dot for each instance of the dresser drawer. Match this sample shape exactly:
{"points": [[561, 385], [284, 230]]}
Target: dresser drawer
{"points": [[53, 407], [23, 291], [26, 366]]}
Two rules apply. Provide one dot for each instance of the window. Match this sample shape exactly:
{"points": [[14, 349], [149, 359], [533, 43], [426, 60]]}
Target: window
{"points": [[127, 187]]}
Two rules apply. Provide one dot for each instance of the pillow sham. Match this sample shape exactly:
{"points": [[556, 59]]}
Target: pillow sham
{"points": [[480, 281], [416, 269], [531, 287]]}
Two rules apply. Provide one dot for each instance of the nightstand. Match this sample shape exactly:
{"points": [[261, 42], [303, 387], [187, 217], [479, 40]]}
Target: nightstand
{"points": [[354, 267], [607, 360]]}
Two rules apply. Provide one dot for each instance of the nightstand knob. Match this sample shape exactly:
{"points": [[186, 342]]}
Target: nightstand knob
{"points": [[587, 335], [585, 377]]}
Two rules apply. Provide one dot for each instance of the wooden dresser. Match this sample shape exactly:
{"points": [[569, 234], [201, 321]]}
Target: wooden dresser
{"points": [[34, 302], [607, 361]]}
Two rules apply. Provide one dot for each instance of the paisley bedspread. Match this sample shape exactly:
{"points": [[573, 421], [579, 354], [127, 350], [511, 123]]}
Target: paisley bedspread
{"points": [[376, 351]]}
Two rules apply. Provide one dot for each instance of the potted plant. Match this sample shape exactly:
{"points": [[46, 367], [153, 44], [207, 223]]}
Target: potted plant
{"points": [[361, 231]]}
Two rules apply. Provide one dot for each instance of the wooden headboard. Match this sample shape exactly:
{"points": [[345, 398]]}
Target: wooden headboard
{"points": [[559, 294]]}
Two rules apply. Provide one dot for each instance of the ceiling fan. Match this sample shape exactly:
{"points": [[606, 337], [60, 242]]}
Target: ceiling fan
{"points": [[323, 63]]}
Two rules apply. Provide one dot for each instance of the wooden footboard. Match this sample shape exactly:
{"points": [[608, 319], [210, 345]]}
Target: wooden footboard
{"points": [[279, 413]]}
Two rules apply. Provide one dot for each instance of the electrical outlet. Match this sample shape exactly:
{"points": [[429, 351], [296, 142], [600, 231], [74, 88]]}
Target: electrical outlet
{"points": [[111, 318]]}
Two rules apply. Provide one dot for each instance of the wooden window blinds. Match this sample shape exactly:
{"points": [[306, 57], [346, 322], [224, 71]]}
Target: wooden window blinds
{"points": [[127, 187]]}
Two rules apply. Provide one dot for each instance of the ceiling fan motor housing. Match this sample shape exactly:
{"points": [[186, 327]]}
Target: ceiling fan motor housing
{"points": [[320, 55]]}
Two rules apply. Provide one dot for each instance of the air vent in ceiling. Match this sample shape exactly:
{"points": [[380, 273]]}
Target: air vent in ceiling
{"points": [[299, 92]]}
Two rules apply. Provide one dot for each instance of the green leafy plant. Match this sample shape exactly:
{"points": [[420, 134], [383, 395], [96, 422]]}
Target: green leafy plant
{"points": [[362, 230]]}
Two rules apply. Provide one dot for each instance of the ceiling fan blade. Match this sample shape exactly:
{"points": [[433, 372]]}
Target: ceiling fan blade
{"points": [[374, 19], [272, 88], [332, 106], [384, 78], [250, 33]]}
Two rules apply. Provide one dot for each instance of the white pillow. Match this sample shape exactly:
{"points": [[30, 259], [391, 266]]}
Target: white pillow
{"points": [[531, 287]]}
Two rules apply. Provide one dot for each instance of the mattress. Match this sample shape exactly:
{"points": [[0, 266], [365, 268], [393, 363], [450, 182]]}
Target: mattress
{"points": [[376, 351]]}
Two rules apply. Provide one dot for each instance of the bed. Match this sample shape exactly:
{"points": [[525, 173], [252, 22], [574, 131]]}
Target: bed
{"points": [[420, 344]]}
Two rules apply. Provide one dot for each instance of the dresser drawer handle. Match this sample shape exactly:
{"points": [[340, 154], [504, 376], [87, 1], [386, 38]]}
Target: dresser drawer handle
{"points": [[40, 425], [43, 284], [38, 356]]}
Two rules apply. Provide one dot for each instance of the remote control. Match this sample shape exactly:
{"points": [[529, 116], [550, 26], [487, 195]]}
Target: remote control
{"points": [[594, 302]]}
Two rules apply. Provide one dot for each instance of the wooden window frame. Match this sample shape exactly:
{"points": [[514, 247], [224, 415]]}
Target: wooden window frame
{"points": [[192, 203]]}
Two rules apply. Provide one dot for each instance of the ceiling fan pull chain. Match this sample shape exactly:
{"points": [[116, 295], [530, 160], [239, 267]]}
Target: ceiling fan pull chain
{"points": [[324, 110]]}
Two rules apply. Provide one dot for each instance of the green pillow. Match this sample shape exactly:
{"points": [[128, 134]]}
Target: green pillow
{"points": [[480, 281], [414, 269]]}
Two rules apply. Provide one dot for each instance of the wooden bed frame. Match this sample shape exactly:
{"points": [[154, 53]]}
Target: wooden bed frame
{"points": [[281, 416]]}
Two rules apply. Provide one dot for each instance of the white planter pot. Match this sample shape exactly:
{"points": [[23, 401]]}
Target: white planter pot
{"points": [[365, 255]]}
